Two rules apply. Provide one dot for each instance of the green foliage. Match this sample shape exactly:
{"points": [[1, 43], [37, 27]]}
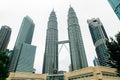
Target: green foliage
{"points": [[4, 61], [114, 51]]}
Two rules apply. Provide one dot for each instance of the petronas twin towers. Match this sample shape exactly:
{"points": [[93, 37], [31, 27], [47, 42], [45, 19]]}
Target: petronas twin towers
{"points": [[77, 52]]}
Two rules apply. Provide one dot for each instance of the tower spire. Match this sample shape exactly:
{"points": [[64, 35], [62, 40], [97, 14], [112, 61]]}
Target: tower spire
{"points": [[70, 5], [53, 10]]}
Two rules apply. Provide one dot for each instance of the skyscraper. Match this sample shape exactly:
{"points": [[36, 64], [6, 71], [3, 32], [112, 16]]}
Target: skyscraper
{"points": [[5, 34], [115, 4], [51, 47], [26, 58], [23, 53], [99, 37], [77, 52]]}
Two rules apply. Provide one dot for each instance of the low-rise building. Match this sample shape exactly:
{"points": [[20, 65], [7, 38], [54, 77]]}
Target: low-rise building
{"points": [[93, 73], [89, 73], [26, 76]]}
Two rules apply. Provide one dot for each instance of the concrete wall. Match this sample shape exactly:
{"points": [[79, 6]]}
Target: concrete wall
{"points": [[26, 76]]}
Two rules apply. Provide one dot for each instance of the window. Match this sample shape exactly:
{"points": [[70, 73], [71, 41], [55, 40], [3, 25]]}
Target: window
{"points": [[109, 74], [81, 76], [94, 20]]}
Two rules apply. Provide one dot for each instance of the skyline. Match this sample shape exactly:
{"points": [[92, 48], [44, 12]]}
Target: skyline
{"points": [[12, 15]]}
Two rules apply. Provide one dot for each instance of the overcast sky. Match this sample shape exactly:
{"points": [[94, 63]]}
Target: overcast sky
{"points": [[13, 11]]}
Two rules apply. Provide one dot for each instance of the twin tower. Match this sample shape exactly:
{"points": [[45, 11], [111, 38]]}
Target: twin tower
{"points": [[77, 52]]}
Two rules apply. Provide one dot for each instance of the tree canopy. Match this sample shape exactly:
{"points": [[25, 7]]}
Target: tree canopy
{"points": [[4, 62], [113, 46]]}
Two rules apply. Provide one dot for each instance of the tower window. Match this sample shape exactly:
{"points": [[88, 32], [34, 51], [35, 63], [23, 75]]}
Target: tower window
{"points": [[94, 20]]}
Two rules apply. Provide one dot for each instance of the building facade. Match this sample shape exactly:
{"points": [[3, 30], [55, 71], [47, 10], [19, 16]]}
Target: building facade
{"points": [[9, 53], [93, 73], [115, 4], [89, 73], [26, 59], [51, 47], [96, 62], [99, 38], [26, 76], [55, 77], [77, 51], [23, 48], [5, 33]]}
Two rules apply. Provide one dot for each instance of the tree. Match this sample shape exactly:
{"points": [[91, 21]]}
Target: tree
{"points": [[4, 62], [114, 51]]}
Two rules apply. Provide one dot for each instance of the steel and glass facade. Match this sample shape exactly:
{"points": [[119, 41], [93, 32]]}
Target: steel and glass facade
{"points": [[51, 47], [24, 36], [26, 59], [115, 4], [96, 62], [99, 37], [77, 51], [5, 33]]}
